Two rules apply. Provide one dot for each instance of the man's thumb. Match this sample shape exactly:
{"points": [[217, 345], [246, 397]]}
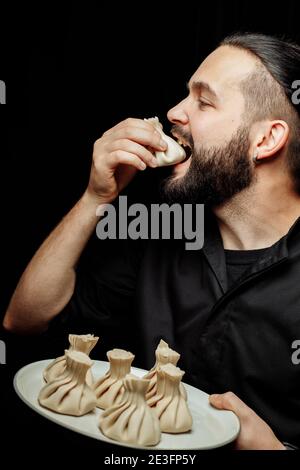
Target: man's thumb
{"points": [[229, 401]]}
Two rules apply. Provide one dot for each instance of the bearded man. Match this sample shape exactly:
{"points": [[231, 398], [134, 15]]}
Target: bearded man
{"points": [[232, 309]]}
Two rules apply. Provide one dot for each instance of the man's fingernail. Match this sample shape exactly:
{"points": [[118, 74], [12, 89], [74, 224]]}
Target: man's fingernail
{"points": [[163, 144]]}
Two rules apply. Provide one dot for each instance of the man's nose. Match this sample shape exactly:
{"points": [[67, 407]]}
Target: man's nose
{"points": [[178, 114]]}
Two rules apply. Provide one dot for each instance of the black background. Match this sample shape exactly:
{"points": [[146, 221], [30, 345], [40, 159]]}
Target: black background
{"points": [[72, 71]]}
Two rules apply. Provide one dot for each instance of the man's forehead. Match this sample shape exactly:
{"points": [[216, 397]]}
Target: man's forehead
{"points": [[225, 68]]}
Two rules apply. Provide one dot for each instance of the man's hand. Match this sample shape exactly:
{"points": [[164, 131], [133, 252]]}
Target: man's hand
{"points": [[254, 434], [119, 154]]}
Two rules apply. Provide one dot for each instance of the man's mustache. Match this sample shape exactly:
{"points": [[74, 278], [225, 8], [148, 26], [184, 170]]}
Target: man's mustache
{"points": [[181, 134]]}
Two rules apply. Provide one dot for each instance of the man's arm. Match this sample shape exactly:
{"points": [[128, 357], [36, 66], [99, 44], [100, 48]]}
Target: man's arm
{"points": [[48, 282]]}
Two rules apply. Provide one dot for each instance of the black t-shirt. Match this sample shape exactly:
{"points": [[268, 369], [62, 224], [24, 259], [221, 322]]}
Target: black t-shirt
{"points": [[231, 337], [237, 262]]}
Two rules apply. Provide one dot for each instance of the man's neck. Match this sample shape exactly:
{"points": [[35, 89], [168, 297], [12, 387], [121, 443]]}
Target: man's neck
{"points": [[257, 219]]}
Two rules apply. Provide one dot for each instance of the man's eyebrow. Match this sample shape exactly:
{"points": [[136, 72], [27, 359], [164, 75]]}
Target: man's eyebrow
{"points": [[202, 86]]}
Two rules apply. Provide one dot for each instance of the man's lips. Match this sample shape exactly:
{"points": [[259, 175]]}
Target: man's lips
{"points": [[179, 169], [187, 159], [188, 152], [180, 139]]}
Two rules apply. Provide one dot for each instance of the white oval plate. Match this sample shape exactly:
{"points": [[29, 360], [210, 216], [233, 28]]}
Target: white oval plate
{"points": [[211, 427]]}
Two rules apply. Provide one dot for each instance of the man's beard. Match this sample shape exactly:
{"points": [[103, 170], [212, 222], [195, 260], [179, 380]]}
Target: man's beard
{"points": [[215, 174]]}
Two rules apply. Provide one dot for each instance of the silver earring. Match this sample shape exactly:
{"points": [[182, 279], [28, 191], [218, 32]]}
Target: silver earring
{"points": [[255, 159]]}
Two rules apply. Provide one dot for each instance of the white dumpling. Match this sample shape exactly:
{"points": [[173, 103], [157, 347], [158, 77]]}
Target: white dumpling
{"points": [[164, 355], [81, 343], [132, 421], [109, 389], [174, 153], [171, 407], [70, 394]]}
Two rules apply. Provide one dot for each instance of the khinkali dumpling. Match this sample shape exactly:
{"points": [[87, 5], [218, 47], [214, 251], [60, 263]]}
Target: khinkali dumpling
{"points": [[109, 389], [171, 408], [70, 394], [132, 421], [174, 153], [164, 355], [82, 343]]}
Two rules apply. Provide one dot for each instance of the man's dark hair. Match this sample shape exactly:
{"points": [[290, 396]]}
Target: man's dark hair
{"points": [[268, 90]]}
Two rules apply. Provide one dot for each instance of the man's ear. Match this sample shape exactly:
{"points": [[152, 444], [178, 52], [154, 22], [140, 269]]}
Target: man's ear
{"points": [[272, 139]]}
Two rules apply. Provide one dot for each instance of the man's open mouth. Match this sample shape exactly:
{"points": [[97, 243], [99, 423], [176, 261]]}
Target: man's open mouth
{"points": [[186, 146]]}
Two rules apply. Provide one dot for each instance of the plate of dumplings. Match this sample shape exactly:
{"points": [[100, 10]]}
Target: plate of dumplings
{"points": [[113, 401]]}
